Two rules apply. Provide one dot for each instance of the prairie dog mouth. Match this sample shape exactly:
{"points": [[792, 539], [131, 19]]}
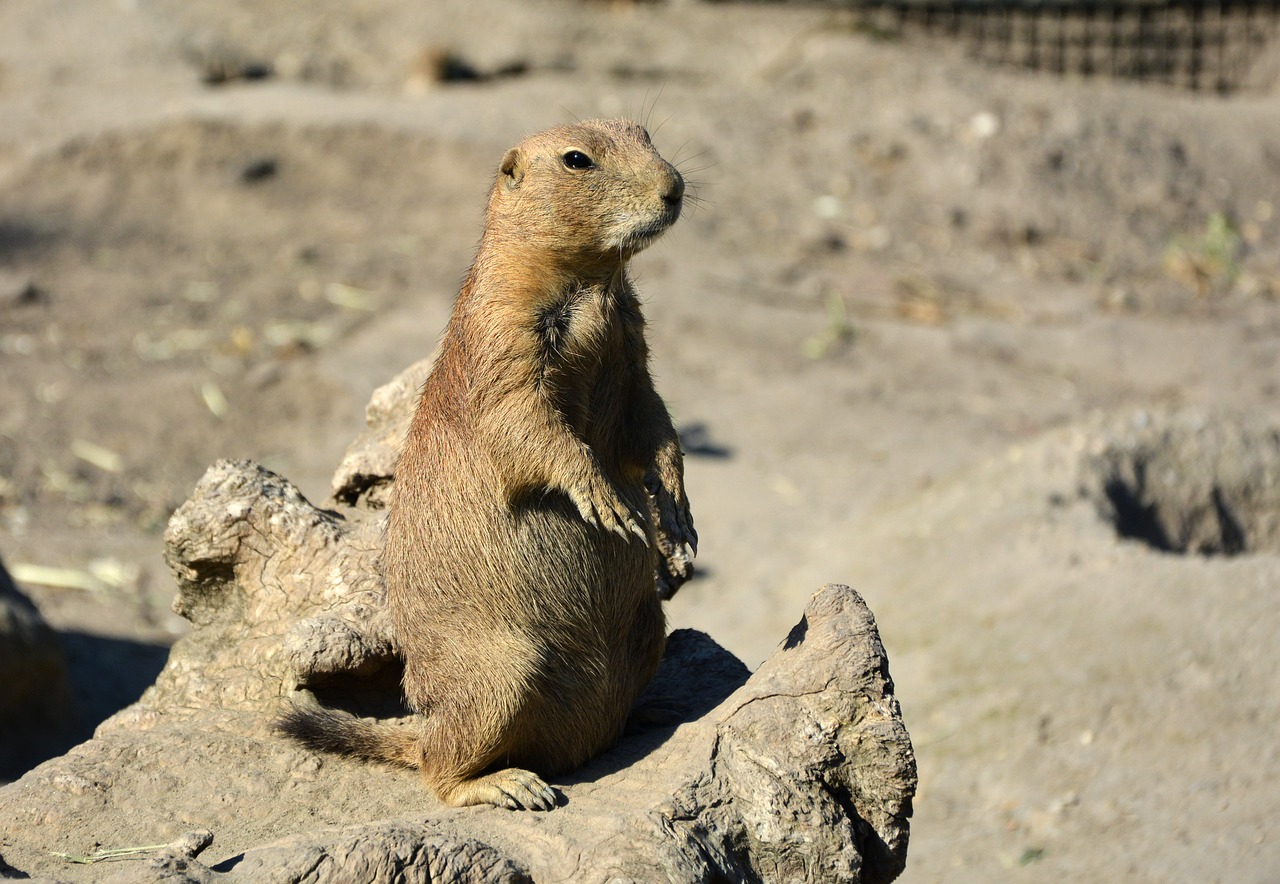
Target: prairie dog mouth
{"points": [[633, 234]]}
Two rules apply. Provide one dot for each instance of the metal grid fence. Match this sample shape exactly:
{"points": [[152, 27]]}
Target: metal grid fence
{"points": [[1192, 43]]}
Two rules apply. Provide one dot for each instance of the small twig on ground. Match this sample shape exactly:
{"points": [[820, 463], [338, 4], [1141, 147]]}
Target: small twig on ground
{"points": [[103, 855]]}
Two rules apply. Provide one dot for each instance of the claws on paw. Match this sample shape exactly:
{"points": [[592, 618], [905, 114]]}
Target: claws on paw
{"points": [[513, 788]]}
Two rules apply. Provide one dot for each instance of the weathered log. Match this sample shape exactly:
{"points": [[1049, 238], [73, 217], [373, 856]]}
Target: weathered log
{"points": [[802, 771]]}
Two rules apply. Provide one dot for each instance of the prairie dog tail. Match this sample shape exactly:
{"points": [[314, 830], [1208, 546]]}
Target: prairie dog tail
{"points": [[328, 730]]}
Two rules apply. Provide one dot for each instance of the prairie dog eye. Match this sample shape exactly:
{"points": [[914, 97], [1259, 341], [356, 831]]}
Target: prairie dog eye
{"points": [[577, 160]]}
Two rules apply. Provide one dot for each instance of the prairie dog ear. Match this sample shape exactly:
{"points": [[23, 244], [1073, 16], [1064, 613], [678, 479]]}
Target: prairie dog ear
{"points": [[512, 168]]}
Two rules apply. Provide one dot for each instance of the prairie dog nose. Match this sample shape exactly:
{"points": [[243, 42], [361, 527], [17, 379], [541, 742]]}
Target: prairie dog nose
{"points": [[674, 191]]}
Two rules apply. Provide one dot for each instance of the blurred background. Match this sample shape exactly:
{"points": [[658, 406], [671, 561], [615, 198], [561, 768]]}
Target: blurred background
{"points": [[977, 309]]}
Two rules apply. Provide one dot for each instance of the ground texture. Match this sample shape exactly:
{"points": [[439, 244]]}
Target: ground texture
{"points": [[999, 349]]}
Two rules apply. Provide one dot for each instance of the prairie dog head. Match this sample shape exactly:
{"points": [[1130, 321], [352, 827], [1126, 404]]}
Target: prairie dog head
{"points": [[595, 192]]}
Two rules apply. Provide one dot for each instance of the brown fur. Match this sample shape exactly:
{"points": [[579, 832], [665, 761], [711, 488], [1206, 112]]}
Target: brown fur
{"points": [[540, 489]]}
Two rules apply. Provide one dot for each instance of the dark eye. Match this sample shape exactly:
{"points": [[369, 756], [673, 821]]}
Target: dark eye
{"points": [[576, 159]]}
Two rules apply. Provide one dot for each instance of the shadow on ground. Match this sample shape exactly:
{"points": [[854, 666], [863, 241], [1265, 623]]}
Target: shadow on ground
{"points": [[107, 674]]}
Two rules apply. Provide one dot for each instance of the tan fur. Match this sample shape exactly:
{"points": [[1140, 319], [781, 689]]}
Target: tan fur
{"points": [[541, 486]]}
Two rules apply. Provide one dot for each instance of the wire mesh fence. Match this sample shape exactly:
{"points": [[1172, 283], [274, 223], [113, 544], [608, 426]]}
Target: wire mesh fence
{"points": [[1192, 43]]}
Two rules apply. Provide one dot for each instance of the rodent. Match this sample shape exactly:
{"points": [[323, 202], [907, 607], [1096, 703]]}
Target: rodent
{"points": [[538, 516]]}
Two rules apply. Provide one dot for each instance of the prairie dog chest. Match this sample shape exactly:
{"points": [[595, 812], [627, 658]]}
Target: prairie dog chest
{"points": [[580, 333], [583, 338]]}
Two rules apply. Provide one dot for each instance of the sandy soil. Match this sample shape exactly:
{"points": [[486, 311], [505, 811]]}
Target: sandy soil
{"points": [[906, 282]]}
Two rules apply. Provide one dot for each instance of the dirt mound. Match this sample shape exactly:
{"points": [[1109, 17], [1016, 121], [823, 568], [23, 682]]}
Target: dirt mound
{"points": [[1191, 483]]}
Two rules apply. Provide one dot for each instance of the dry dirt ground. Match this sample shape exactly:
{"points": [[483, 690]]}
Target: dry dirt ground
{"points": [[908, 287]]}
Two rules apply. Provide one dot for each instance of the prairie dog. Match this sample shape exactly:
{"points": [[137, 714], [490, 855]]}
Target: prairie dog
{"points": [[538, 515]]}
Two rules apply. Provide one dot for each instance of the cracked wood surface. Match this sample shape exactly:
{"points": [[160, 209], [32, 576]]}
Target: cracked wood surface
{"points": [[802, 771]]}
